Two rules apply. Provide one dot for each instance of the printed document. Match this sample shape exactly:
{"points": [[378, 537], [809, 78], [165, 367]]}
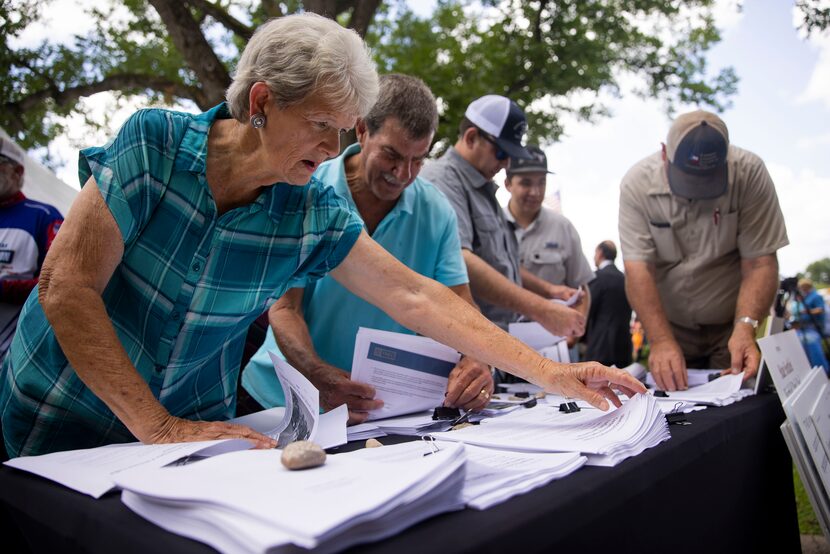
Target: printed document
{"points": [[409, 372], [302, 405]]}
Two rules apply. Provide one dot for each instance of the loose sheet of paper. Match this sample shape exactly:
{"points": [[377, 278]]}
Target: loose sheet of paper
{"points": [[92, 470]]}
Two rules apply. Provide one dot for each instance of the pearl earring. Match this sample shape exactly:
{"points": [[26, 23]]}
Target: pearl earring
{"points": [[258, 120]]}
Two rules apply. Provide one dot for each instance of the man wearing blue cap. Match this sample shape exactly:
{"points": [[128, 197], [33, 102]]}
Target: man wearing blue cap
{"points": [[491, 132], [700, 225]]}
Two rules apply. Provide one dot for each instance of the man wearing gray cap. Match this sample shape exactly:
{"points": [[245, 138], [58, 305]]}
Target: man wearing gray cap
{"points": [[27, 228], [550, 251], [700, 225], [490, 133]]}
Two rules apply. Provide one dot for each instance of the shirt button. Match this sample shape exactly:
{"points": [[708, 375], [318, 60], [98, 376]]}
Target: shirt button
{"points": [[196, 266], [175, 316]]}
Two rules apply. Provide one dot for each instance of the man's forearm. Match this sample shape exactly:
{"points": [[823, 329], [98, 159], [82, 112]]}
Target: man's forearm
{"points": [[293, 338], [584, 304], [493, 287], [759, 282], [535, 284], [641, 289]]}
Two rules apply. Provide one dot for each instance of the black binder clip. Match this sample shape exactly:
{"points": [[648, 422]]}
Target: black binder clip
{"points": [[524, 394], [443, 412], [677, 418], [529, 403], [569, 407], [433, 448], [661, 394]]}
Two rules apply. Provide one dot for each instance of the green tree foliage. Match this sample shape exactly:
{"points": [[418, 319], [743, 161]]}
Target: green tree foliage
{"points": [[551, 57], [816, 15], [819, 271]]}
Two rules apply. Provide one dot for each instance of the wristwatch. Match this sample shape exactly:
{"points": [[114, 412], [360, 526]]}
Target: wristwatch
{"points": [[747, 319]]}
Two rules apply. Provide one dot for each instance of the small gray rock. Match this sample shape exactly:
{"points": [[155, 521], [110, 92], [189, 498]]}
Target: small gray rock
{"points": [[303, 455], [373, 443]]}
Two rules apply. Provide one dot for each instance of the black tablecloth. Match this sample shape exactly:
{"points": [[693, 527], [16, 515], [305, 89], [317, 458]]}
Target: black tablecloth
{"points": [[721, 484]]}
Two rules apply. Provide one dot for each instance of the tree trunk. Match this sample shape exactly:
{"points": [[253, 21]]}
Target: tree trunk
{"points": [[195, 49]]}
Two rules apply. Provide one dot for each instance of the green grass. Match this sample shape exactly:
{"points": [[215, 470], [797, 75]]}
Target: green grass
{"points": [[807, 522]]}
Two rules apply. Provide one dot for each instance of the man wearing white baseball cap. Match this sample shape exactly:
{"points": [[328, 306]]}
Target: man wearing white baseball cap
{"points": [[490, 133], [700, 225], [27, 228]]}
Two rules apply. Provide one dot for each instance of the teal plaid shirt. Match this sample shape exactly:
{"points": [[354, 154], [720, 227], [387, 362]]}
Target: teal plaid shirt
{"points": [[189, 284]]}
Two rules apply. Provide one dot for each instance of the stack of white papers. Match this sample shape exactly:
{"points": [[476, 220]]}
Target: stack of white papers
{"points": [[809, 410], [722, 391], [248, 502], [364, 431], [409, 372], [418, 424], [493, 476], [694, 377], [606, 438]]}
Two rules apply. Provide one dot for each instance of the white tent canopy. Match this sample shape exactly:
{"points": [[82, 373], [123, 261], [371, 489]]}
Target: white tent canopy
{"points": [[39, 183]]}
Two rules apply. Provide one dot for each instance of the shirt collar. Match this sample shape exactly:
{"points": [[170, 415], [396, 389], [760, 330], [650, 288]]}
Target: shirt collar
{"points": [[605, 263], [509, 215], [470, 173], [16, 199], [195, 138]]}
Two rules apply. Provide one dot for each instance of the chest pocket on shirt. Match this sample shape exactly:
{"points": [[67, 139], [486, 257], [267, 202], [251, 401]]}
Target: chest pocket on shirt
{"points": [[665, 242], [726, 235], [486, 230], [546, 256]]}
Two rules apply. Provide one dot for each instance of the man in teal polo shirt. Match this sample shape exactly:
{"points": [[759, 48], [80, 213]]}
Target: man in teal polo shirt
{"points": [[316, 326]]}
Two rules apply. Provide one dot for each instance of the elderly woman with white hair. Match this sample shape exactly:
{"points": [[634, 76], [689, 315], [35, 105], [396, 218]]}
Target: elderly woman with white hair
{"points": [[189, 227]]}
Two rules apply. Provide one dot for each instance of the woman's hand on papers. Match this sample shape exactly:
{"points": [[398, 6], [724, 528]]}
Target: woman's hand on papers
{"points": [[470, 385], [175, 429], [589, 381], [337, 388]]}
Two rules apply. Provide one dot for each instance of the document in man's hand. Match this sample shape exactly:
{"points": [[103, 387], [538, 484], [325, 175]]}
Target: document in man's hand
{"points": [[606, 438], [409, 372]]}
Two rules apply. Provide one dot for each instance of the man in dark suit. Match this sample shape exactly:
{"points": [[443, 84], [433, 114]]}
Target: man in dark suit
{"points": [[608, 338]]}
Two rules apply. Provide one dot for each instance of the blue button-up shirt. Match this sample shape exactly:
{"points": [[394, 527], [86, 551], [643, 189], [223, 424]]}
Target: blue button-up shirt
{"points": [[189, 284]]}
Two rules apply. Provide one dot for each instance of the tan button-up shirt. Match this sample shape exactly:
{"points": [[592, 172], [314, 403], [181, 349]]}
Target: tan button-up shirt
{"points": [[697, 245], [550, 249]]}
